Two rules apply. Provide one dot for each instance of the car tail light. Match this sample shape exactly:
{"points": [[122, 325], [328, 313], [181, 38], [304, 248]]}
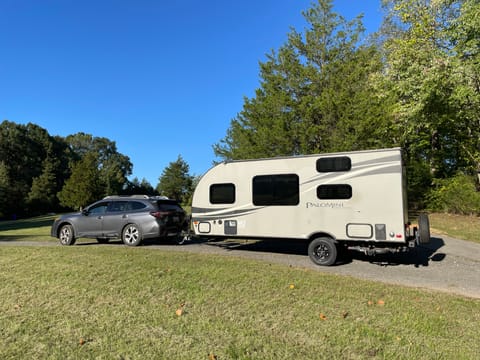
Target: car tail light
{"points": [[159, 214]]}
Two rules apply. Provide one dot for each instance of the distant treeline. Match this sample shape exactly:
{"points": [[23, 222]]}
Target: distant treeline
{"points": [[40, 173]]}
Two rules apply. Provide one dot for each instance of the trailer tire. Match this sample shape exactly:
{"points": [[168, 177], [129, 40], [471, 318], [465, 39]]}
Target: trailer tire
{"points": [[423, 229], [323, 251]]}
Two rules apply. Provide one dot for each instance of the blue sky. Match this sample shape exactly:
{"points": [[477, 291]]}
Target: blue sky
{"points": [[160, 78]]}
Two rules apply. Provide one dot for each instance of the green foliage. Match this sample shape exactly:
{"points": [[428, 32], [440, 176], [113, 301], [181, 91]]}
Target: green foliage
{"points": [[137, 187], [4, 189], [84, 185], [24, 150], [175, 181], [432, 70], [316, 94], [456, 195], [114, 168], [417, 87], [43, 192]]}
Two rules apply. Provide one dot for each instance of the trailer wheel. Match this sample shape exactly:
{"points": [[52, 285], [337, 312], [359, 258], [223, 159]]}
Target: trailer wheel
{"points": [[423, 229], [323, 251]]}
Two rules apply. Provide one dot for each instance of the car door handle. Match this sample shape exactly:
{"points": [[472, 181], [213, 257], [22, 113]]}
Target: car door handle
{"points": [[100, 217], [125, 216]]}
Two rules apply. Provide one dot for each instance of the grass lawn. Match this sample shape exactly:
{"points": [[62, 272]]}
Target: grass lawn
{"points": [[113, 302], [116, 302], [457, 226]]}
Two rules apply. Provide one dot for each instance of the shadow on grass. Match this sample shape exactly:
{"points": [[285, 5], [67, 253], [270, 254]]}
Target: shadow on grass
{"points": [[33, 238], [26, 223]]}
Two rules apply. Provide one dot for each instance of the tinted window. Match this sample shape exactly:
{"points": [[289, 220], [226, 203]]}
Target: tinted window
{"points": [[334, 191], [98, 209], [276, 190], [117, 206], [168, 205], [222, 194], [136, 205], [330, 164]]}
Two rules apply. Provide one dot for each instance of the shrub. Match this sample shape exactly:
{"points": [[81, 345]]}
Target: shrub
{"points": [[457, 195]]}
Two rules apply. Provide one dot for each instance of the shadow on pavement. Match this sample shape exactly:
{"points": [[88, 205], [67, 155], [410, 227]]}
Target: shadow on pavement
{"points": [[418, 256]]}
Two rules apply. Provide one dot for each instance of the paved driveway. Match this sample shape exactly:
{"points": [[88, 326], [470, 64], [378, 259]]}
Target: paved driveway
{"points": [[446, 264]]}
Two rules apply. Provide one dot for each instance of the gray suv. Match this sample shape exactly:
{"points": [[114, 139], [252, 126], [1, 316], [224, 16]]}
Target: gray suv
{"points": [[131, 218]]}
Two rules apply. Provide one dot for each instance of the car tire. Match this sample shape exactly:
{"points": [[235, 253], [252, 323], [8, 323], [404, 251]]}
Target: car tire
{"points": [[131, 235], [66, 235], [103, 240], [323, 251]]}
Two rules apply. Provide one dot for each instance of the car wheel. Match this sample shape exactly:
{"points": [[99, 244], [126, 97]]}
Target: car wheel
{"points": [[322, 251], [103, 240], [66, 235], [423, 229], [131, 235]]}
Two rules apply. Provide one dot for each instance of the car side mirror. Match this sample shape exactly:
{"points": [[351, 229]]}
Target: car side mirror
{"points": [[85, 212]]}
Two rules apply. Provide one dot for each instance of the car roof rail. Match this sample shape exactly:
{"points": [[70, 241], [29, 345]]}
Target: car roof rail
{"points": [[127, 196]]}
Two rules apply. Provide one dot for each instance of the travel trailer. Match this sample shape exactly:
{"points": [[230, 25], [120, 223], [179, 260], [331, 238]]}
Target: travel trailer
{"points": [[337, 201]]}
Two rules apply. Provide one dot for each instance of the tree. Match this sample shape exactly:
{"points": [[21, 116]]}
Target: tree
{"points": [[432, 67], [136, 187], [175, 181], [315, 95], [84, 185], [24, 148], [43, 192], [4, 189], [435, 84], [114, 167]]}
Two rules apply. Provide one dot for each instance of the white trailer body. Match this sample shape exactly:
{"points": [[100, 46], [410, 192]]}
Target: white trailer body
{"points": [[351, 198]]}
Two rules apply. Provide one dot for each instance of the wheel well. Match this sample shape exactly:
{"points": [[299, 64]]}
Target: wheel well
{"points": [[131, 223], [321, 234]]}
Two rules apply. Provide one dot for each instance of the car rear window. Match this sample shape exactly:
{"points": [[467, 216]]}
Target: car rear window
{"points": [[168, 205], [136, 205]]}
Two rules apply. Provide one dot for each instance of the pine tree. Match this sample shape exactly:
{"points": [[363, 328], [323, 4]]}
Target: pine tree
{"points": [[175, 181]]}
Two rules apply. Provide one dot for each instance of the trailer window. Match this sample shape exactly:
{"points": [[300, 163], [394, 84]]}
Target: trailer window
{"points": [[334, 191], [222, 193], [276, 190], [332, 164]]}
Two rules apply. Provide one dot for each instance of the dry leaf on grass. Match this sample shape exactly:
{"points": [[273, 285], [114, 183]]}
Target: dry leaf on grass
{"points": [[322, 316]]}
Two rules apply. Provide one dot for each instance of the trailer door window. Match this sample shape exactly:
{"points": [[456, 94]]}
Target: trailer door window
{"points": [[222, 193], [334, 192], [276, 190], [332, 164]]}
